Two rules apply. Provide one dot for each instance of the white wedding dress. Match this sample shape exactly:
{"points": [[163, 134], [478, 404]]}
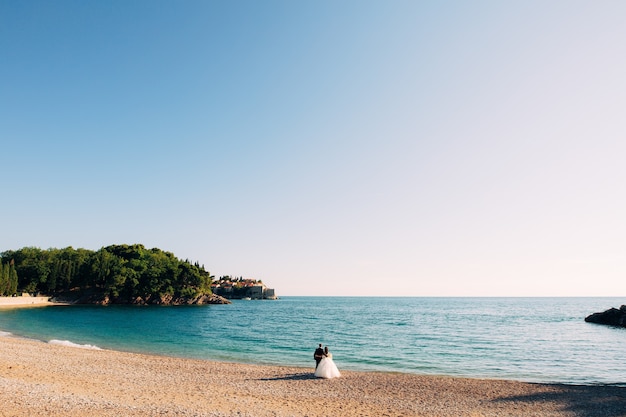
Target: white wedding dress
{"points": [[327, 368]]}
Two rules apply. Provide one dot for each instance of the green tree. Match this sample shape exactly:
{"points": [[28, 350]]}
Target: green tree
{"points": [[4, 278], [33, 268], [8, 278], [13, 279]]}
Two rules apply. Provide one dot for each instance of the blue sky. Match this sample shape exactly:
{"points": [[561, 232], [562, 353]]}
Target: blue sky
{"points": [[328, 148]]}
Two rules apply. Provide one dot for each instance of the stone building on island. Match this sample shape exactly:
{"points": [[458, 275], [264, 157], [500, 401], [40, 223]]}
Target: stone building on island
{"points": [[239, 288]]}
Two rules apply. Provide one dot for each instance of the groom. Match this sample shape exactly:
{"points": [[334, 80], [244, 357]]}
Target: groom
{"points": [[318, 355]]}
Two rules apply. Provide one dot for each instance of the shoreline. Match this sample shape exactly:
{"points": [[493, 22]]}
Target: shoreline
{"points": [[42, 379], [354, 361], [26, 301]]}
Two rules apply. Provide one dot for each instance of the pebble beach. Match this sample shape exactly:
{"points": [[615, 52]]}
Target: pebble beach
{"points": [[42, 379]]}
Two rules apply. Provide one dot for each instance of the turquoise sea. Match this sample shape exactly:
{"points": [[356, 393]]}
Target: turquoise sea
{"points": [[527, 339]]}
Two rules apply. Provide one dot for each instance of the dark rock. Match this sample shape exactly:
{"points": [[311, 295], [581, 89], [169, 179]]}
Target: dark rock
{"points": [[138, 301], [611, 317], [212, 299], [94, 297]]}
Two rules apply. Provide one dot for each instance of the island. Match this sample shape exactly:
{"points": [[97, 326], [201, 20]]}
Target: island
{"points": [[240, 288], [118, 274]]}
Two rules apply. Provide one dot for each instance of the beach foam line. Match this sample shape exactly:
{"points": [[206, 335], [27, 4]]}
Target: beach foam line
{"points": [[71, 344], [4, 334]]}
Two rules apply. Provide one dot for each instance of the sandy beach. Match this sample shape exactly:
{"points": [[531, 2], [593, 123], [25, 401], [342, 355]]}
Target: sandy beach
{"points": [[41, 379], [25, 301]]}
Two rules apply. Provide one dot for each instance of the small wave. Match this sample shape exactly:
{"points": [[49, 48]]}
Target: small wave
{"points": [[2, 334], [71, 344]]}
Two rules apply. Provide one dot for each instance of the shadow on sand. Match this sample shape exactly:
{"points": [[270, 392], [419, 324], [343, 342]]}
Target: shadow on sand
{"points": [[580, 401], [292, 377]]}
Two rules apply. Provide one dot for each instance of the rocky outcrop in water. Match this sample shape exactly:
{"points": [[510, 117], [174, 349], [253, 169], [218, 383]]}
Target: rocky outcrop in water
{"points": [[611, 317], [170, 300], [166, 299]]}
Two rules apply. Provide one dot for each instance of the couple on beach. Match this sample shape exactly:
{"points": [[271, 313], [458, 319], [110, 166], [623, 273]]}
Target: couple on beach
{"points": [[324, 365]]}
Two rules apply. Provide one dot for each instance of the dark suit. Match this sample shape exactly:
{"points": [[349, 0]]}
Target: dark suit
{"points": [[318, 355]]}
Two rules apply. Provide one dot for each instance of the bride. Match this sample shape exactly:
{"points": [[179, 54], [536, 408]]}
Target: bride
{"points": [[327, 368]]}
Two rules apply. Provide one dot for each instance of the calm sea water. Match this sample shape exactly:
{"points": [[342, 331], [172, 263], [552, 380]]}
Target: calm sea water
{"points": [[528, 339]]}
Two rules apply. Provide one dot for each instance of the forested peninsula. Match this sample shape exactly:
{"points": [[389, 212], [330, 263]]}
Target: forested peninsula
{"points": [[116, 274]]}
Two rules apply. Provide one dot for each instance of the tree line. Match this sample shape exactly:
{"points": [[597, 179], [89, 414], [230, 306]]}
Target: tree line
{"points": [[122, 272], [8, 279]]}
